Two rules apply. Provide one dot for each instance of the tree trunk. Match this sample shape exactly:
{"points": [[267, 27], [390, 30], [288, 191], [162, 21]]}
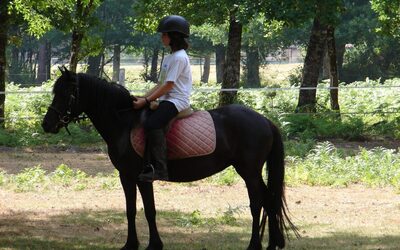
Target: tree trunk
{"points": [[334, 78], [232, 66], [220, 51], [154, 65], [83, 11], [206, 69], [340, 50], [94, 65], [77, 37], [116, 62], [325, 69], [48, 61], [15, 69], [146, 59], [252, 68], [3, 62], [44, 61], [312, 65]]}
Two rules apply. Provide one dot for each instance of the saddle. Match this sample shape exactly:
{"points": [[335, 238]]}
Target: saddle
{"points": [[189, 134]]}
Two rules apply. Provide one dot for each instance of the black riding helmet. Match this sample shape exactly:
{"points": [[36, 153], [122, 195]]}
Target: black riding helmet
{"points": [[174, 23]]}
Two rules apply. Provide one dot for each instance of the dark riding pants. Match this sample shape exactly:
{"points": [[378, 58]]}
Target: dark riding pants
{"points": [[160, 117]]}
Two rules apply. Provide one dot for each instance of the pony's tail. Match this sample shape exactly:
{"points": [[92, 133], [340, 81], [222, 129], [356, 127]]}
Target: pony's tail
{"points": [[275, 204]]}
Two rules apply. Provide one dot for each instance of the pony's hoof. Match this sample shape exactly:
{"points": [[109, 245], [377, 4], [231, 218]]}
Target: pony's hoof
{"points": [[154, 248], [129, 248], [256, 247]]}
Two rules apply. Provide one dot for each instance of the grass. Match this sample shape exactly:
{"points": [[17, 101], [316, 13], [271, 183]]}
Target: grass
{"points": [[324, 164], [106, 230], [36, 179], [323, 225]]}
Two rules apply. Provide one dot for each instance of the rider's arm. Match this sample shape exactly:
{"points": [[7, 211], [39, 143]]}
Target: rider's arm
{"points": [[153, 94]]}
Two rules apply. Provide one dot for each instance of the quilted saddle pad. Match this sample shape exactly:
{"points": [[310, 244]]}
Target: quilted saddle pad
{"points": [[187, 137]]}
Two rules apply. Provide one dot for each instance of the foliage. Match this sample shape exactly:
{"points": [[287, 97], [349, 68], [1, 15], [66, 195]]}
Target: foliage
{"points": [[226, 177], [376, 61], [195, 219], [296, 76], [326, 165], [32, 13], [388, 15], [67, 176], [368, 109], [34, 179], [29, 179], [25, 111]]}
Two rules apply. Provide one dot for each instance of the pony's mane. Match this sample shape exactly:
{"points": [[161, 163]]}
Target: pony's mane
{"points": [[111, 87]]}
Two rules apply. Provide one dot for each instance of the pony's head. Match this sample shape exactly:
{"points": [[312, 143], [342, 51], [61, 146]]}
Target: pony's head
{"points": [[65, 105]]}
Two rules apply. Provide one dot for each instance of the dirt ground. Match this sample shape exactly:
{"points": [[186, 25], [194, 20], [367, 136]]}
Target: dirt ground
{"points": [[355, 217]]}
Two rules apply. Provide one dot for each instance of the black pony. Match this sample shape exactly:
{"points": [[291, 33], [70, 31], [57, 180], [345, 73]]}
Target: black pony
{"points": [[245, 140]]}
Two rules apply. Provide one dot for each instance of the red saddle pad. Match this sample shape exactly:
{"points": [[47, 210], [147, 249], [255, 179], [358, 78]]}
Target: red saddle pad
{"points": [[187, 137]]}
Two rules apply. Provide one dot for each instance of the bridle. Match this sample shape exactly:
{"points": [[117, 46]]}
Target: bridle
{"points": [[71, 114]]}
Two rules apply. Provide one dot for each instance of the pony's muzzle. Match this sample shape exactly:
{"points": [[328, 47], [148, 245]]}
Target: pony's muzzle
{"points": [[49, 128]]}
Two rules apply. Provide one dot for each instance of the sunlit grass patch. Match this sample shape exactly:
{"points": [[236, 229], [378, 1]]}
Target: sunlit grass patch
{"points": [[326, 165]]}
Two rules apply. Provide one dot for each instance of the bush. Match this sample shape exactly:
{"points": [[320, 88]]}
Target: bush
{"points": [[30, 179], [66, 176]]}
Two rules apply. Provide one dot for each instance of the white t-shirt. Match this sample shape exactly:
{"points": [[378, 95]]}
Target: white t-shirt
{"points": [[176, 68]]}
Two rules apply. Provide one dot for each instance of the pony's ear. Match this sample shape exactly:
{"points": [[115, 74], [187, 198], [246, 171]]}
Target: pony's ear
{"points": [[64, 71]]}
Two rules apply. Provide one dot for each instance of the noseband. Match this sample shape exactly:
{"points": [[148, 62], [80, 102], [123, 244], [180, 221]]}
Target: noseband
{"points": [[71, 114]]}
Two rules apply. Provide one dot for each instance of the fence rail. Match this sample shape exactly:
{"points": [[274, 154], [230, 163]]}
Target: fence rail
{"points": [[266, 89], [296, 114], [233, 89]]}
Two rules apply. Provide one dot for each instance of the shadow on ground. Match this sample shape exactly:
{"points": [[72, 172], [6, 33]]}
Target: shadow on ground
{"points": [[86, 229]]}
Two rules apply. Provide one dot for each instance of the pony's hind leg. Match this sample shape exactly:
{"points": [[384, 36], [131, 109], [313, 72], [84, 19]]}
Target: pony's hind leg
{"points": [[146, 190], [255, 192]]}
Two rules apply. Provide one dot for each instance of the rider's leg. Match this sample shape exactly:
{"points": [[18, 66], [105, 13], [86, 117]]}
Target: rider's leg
{"points": [[156, 147]]}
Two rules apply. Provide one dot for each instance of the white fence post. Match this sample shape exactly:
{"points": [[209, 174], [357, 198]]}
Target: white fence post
{"points": [[122, 77]]}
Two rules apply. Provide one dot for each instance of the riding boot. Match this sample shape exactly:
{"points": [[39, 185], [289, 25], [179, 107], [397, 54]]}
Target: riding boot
{"points": [[156, 153]]}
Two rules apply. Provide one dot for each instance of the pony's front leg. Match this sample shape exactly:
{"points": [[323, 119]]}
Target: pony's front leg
{"points": [[146, 190], [129, 185]]}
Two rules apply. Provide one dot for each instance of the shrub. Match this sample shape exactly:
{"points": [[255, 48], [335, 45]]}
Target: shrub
{"points": [[30, 179], [67, 176]]}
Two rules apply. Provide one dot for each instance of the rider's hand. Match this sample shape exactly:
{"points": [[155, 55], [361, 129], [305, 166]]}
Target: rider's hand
{"points": [[139, 103]]}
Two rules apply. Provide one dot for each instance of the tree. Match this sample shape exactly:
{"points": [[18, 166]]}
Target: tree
{"points": [[44, 61], [73, 17], [231, 76], [388, 16], [115, 29], [236, 13], [201, 46], [18, 11], [323, 14], [4, 20], [357, 25], [81, 16], [209, 37], [260, 38]]}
